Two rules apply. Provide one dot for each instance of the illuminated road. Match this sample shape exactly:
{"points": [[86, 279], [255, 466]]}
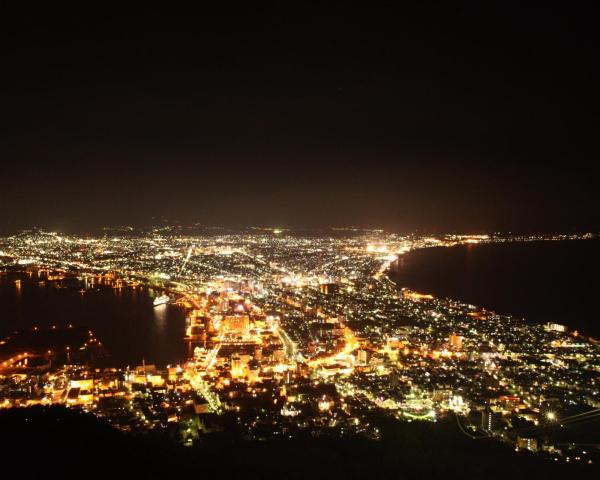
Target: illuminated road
{"points": [[290, 347], [351, 344], [198, 384]]}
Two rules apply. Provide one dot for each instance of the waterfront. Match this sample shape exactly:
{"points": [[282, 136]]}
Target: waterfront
{"points": [[540, 281], [297, 337], [124, 319]]}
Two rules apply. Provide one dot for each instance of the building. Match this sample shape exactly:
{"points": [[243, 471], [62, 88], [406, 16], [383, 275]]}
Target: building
{"points": [[278, 355], [239, 365], [237, 323], [456, 342], [362, 357], [253, 371], [489, 420], [530, 444], [555, 327], [328, 288]]}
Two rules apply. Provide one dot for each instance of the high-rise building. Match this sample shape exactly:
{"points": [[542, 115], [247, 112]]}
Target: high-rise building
{"points": [[489, 420]]}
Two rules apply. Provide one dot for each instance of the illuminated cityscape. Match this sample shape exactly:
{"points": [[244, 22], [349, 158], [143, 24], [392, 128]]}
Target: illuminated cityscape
{"points": [[299, 240], [293, 336]]}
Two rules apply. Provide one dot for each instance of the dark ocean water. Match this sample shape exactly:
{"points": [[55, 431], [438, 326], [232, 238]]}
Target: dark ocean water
{"points": [[124, 320], [540, 281]]}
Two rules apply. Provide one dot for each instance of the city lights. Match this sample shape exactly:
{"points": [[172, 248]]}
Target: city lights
{"points": [[295, 334]]}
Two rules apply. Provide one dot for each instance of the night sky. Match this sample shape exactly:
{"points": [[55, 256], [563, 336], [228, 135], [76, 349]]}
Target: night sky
{"points": [[431, 119]]}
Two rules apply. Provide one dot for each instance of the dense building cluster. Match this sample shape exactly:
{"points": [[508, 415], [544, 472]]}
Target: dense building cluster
{"points": [[293, 335]]}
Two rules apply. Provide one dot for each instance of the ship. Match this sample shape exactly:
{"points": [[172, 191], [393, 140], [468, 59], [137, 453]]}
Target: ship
{"points": [[161, 300]]}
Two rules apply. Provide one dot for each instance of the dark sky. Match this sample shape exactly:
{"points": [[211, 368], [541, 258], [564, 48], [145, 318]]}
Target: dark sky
{"points": [[437, 118]]}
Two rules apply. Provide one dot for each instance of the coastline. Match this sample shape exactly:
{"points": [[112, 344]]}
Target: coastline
{"points": [[514, 278]]}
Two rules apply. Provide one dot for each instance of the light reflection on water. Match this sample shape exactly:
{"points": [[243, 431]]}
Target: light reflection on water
{"points": [[124, 319], [160, 316]]}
